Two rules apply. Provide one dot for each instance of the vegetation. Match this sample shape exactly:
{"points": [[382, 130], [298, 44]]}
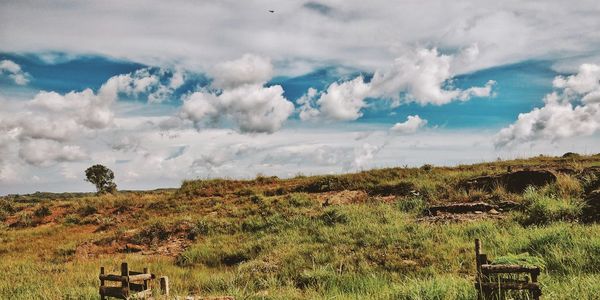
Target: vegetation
{"points": [[364, 235], [102, 177]]}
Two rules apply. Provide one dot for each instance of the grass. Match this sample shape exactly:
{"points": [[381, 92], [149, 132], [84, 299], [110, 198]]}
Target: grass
{"points": [[272, 238]]}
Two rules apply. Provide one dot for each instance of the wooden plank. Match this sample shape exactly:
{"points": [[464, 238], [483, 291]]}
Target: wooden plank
{"points": [[111, 277], [532, 286], [125, 279], [143, 294], [495, 269], [164, 285], [136, 287], [145, 280], [112, 291], [101, 283], [141, 277]]}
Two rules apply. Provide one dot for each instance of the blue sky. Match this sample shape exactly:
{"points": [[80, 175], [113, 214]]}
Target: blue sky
{"points": [[226, 89]]}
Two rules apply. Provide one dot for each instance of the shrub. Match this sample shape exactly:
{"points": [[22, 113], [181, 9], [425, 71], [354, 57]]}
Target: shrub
{"points": [[332, 217], [72, 219], [87, 210], [541, 209], [42, 211], [412, 205], [299, 200], [7, 207], [156, 231]]}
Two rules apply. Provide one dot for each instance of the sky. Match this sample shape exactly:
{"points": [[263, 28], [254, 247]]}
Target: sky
{"points": [[164, 91]]}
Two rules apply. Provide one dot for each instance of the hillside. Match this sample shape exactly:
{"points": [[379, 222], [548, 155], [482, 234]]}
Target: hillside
{"points": [[378, 234]]}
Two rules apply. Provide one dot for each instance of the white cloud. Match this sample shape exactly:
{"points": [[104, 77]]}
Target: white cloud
{"points": [[241, 98], [151, 82], [344, 101], [411, 125], [14, 72], [45, 126], [573, 110], [420, 76], [362, 34], [249, 69], [46, 152], [253, 108]]}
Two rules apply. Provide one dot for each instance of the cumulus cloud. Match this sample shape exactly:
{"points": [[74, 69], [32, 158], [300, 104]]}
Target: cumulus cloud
{"points": [[422, 76], [249, 69], [241, 97], [571, 110], [411, 125], [45, 126], [45, 152], [354, 33], [363, 155], [14, 72], [156, 83]]}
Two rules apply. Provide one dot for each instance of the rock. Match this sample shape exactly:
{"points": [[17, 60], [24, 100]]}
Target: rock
{"points": [[478, 212], [514, 182], [591, 212], [493, 212], [462, 208], [508, 205], [133, 248]]}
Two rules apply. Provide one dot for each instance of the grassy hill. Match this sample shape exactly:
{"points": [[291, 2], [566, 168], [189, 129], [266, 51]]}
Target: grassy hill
{"points": [[368, 235]]}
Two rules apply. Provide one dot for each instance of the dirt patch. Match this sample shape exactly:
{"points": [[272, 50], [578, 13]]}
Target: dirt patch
{"points": [[343, 197], [460, 212], [514, 182], [153, 240]]}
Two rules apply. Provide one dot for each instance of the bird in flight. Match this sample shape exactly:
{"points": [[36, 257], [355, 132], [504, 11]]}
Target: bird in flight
{"points": [[271, 11]]}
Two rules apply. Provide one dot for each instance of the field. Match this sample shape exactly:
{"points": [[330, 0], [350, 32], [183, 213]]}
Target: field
{"points": [[356, 236]]}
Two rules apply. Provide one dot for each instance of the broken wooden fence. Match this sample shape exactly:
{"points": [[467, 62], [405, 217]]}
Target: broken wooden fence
{"points": [[498, 279], [130, 284]]}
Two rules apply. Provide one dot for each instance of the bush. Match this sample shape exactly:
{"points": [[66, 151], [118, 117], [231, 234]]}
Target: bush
{"points": [[87, 210], [541, 209], [412, 205], [299, 200], [72, 219], [42, 211], [332, 217]]}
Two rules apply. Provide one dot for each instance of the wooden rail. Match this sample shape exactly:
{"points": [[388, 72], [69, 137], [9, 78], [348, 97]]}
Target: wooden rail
{"points": [[132, 284], [490, 279]]}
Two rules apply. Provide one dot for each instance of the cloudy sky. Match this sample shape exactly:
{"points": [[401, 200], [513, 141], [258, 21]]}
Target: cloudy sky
{"points": [[161, 91]]}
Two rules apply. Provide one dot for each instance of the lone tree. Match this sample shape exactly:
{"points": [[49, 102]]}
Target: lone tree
{"points": [[102, 177]]}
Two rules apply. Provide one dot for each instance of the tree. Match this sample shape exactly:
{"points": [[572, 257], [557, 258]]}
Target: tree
{"points": [[102, 177]]}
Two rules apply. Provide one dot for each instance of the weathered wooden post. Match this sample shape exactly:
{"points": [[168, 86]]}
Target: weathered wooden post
{"points": [[146, 280], [102, 297], [125, 279], [164, 285]]}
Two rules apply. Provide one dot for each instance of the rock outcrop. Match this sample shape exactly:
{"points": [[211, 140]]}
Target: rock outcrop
{"points": [[514, 182]]}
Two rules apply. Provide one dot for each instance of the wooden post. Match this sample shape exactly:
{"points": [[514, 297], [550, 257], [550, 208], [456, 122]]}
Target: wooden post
{"points": [[125, 281], [146, 281], [102, 284], [164, 285]]}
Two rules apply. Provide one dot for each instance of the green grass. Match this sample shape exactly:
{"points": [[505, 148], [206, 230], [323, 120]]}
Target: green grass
{"points": [[272, 238]]}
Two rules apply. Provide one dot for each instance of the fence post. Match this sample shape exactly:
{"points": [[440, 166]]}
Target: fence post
{"points": [[102, 284], [164, 285], [146, 281], [125, 280]]}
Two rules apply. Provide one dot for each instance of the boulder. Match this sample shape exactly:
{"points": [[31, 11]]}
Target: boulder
{"points": [[514, 182], [517, 182], [592, 210], [462, 208]]}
